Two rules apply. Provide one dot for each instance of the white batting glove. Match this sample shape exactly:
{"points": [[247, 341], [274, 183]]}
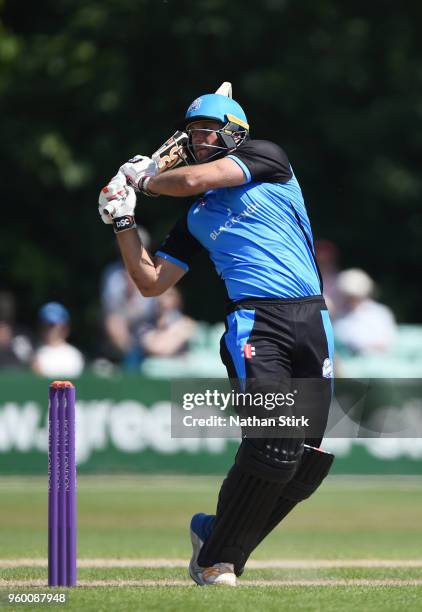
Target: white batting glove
{"points": [[110, 196], [116, 206], [138, 168]]}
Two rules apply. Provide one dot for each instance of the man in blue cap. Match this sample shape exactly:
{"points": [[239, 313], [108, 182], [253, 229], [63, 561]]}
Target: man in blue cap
{"points": [[56, 357], [251, 218]]}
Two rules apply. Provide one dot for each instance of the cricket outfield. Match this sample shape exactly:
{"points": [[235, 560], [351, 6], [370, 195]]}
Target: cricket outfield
{"points": [[354, 545]]}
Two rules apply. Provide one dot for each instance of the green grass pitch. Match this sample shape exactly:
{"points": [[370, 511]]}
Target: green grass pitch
{"points": [[355, 545]]}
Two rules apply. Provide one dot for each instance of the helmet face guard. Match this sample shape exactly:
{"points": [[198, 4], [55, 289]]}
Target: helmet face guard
{"points": [[229, 137], [216, 107]]}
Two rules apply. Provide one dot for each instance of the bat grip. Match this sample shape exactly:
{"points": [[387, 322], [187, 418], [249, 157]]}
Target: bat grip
{"points": [[110, 209]]}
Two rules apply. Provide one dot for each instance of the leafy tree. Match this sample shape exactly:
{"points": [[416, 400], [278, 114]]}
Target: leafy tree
{"points": [[86, 84]]}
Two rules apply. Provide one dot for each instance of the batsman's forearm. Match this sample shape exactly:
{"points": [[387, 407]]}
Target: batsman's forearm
{"points": [[137, 261], [180, 182]]}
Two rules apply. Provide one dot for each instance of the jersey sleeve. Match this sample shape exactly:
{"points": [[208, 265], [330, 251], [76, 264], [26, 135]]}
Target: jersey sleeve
{"points": [[179, 246], [262, 160]]}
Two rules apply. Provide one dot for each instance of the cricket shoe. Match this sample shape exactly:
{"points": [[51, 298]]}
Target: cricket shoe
{"points": [[219, 574]]}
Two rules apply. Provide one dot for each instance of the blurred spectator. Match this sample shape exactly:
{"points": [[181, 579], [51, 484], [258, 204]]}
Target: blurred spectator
{"points": [[15, 347], [173, 329], [327, 256], [55, 357], [364, 325], [127, 314]]}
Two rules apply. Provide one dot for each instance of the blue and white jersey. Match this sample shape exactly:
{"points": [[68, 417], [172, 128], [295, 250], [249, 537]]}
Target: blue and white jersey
{"points": [[258, 234]]}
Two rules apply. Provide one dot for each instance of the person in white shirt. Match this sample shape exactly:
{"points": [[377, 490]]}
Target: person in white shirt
{"points": [[364, 325], [55, 357]]}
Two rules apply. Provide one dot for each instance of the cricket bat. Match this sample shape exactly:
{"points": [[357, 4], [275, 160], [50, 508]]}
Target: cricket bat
{"points": [[172, 152]]}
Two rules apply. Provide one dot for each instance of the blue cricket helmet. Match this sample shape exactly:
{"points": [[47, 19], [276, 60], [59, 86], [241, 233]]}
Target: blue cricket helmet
{"points": [[218, 107]]}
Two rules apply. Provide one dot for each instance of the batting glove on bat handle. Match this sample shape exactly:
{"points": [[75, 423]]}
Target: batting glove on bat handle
{"points": [[110, 197], [137, 169], [116, 206], [143, 187], [110, 210]]}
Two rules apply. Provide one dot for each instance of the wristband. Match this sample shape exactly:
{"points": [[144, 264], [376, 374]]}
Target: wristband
{"points": [[121, 224], [143, 186]]}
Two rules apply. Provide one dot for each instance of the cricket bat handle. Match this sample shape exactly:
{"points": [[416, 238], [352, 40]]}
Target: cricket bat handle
{"points": [[170, 155], [173, 152]]}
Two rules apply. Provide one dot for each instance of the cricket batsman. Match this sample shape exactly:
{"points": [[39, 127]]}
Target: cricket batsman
{"points": [[251, 218]]}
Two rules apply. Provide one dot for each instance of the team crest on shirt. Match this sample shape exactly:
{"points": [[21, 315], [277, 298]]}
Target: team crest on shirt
{"points": [[248, 351], [327, 368]]}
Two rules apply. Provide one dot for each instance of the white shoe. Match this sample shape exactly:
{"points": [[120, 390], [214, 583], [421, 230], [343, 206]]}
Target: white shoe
{"points": [[217, 574], [195, 570]]}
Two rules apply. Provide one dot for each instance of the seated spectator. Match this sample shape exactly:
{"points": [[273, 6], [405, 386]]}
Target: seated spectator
{"points": [[55, 358], [15, 346], [126, 313], [364, 325], [172, 331], [327, 256]]}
